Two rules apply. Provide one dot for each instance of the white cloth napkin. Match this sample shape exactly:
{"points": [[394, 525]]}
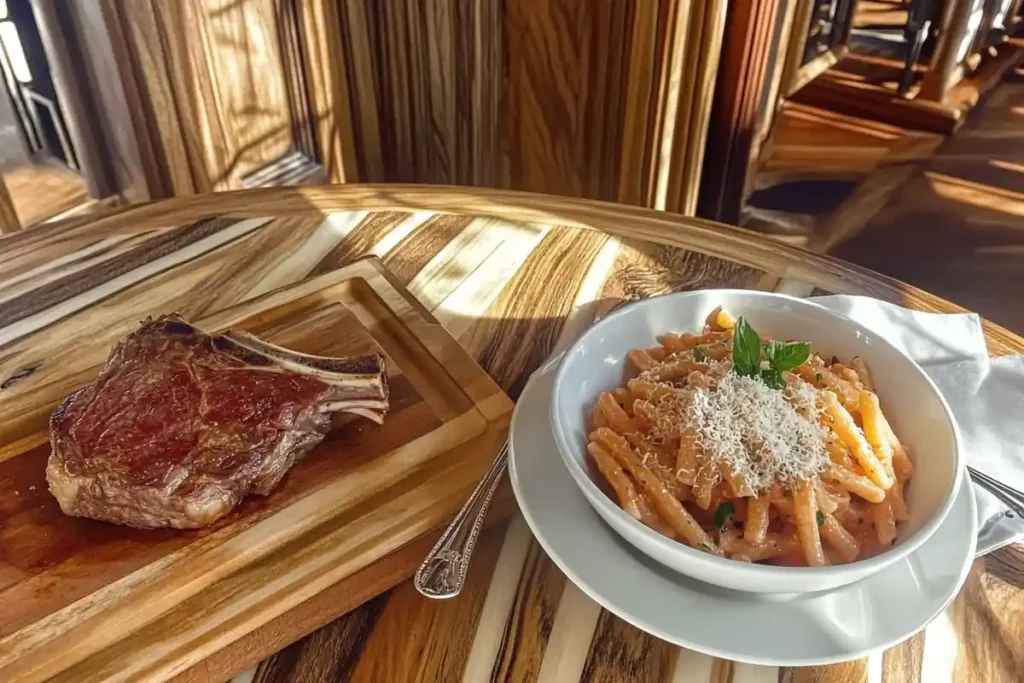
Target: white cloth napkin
{"points": [[986, 396]]}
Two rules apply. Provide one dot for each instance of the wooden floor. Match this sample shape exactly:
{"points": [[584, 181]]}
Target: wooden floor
{"points": [[956, 227], [874, 13], [41, 190], [945, 214], [823, 170]]}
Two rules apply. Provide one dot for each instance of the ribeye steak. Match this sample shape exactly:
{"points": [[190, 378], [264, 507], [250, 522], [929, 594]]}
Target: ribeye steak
{"points": [[180, 425]]}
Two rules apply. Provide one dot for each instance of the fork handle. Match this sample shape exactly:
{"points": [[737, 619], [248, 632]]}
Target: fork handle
{"points": [[443, 572], [1009, 496]]}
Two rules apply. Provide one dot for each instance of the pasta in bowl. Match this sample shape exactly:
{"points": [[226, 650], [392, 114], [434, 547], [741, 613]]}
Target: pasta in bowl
{"points": [[740, 438]]}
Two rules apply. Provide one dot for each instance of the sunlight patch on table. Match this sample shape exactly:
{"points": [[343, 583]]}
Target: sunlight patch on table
{"points": [[298, 264], [501, 595]]}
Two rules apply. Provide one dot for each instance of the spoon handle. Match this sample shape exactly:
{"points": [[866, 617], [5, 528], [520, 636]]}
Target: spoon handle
{"points": [[443, 572]]}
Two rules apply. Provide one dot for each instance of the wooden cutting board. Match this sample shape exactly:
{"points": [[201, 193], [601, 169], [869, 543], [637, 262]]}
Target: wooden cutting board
{"points": [[85, 600]]}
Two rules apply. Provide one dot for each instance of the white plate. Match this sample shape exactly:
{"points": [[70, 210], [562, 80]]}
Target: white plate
{"points": [[779, 630]]}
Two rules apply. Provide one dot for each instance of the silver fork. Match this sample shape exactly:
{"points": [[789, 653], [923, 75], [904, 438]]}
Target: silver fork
{"points": [[1013, 498]]}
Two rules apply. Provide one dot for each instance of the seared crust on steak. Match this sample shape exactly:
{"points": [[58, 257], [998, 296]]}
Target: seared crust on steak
{"points": [[180, 425]]}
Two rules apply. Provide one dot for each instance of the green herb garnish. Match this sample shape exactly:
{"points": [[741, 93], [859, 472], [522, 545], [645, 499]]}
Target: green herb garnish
{"points": [[820, 517], [723, 514], [781, 356], [817, 377], [746, 350], [699, 354], [787, 355], [773, 378]]}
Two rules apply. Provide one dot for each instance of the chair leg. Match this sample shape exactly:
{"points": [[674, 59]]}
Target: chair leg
{"points": [[915, 45]]}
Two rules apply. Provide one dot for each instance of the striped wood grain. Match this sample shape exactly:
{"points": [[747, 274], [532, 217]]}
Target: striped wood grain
{"points": [[518, 620], [425, 88]]}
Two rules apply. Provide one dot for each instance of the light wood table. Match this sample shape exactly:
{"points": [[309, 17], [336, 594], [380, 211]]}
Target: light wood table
{"points": [[510, 275]]}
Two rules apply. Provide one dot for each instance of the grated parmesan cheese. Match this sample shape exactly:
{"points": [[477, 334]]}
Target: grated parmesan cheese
{"points": [[765, 435]]}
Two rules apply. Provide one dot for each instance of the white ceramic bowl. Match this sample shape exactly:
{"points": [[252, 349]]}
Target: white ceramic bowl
{"points": [[916, 409]]}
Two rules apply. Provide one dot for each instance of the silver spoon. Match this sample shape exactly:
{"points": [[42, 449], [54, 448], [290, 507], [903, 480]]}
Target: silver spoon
{"points": [[443, 572]]}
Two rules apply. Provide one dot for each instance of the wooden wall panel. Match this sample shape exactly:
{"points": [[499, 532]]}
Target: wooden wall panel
{"points": [[224, 92], [323, 71], [609, 100], [75, 102], [679, 171], [240, 91], [104, 70], [424, 81], [743, 77], [567, 64], [672, 67], [154, 100]]}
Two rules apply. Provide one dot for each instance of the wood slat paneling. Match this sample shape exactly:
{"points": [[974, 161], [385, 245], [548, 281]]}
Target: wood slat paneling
{"points": [[425, 80], [326, 77], [568, 64], [743, 80], [219, 90]]}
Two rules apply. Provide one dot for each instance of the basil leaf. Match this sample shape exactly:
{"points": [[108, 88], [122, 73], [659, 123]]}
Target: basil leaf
{"points": [[746, 349], [787, 355], [820, 517], [773, 378], [699, 355], [723, 514], [772, 349]]}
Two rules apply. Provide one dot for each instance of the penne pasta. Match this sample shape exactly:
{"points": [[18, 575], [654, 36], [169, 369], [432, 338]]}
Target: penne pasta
{"points": [[674, 369], [658, 353], [614, 414], [848, 431], [650, 391], [862, 373], [874, 431], [686, 461], [884, 521], [624, 397], [855, 483], [736, 482], [621, 484], [756, 528], [839, 539], [826, 503], [670, 508], [671, 465], [805, 513], [899, 504], [641, 360], [703, 482]]}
